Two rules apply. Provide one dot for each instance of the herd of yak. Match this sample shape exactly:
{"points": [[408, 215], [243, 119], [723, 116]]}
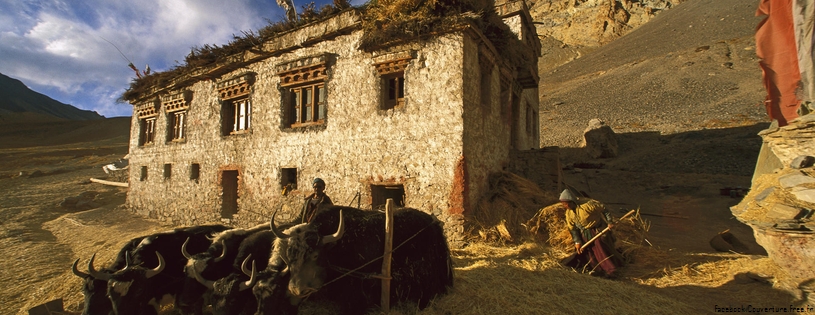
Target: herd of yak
{"points": [[336, 258]]}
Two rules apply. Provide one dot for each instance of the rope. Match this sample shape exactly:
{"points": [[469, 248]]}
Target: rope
{"points": [[368, 276]]}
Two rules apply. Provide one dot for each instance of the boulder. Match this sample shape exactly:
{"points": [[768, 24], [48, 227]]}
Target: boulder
{"points": [[600, 140]]}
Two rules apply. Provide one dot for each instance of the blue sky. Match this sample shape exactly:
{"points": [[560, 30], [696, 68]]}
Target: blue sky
{"points": [[60, 48]]}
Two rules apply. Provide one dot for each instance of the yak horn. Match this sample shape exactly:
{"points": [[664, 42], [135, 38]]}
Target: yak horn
{"points": [[337, 235], [249, 283], [152, 272], [184, 250], [77, 272], [96, 274], [243, 265], [223, 252], [277, 233]]}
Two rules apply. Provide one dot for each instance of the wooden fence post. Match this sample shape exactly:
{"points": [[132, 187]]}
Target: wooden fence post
{"points": [[386, 258]]}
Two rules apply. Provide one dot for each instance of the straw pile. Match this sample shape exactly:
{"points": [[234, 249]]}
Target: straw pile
{"points": [[502, 213]]}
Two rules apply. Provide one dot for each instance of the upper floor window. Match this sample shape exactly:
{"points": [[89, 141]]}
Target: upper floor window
{"points": [[147, 114], [176, 106], [307, 105], [303, 84], [236, 105], [237, 116], [148, 130], [177, 121], [392, 81]]}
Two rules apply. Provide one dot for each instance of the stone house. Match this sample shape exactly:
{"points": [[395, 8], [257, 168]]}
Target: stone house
{"points": [[423, 121]]}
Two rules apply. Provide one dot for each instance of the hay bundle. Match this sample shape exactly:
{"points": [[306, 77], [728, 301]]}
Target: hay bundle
{"points": [[549, 226], [502, 212]]}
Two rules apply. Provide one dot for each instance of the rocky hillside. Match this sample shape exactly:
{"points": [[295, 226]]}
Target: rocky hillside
{"points": [[18, 102], [691, 67], [571, 28]]}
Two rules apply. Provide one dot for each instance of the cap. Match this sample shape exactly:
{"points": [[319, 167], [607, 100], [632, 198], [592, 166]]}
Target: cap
{"points": [[566, 195], [318, 180]]}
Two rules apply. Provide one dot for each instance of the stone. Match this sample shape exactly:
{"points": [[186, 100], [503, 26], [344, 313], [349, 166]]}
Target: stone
{"points": [[783, 212], [807, 195], [764, 193], [600, 140], [793, 180], [802, 161]]}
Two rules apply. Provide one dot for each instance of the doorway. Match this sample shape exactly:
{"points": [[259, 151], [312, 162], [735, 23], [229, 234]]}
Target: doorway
{"points": [[229, 199]]}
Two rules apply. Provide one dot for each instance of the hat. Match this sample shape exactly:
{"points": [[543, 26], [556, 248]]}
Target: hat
{"points": [[318, 180], [566, 195]]}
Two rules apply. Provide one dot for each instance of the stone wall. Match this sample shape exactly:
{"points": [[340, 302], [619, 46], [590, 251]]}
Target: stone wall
{"points": [[418, 145]]}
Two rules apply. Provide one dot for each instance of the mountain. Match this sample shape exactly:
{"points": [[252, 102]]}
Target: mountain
{"points": [[18, 101]]}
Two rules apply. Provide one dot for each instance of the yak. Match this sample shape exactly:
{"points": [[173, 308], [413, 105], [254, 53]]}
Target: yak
{"points": [[137, 289], [339, 253]]}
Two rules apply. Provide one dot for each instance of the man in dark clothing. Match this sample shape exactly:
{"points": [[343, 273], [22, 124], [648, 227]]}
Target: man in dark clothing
{"points": [[315, 201]]}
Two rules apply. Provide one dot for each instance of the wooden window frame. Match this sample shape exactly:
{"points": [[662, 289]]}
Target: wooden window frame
{"points": [[176, 126], [306, 105], [393, 91], [147, 134], [237, 116]]}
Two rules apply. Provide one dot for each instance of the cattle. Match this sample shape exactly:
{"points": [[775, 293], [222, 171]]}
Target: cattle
{"points": [[140, 289], [222, 258], [95, 290], [340, 254], [233, 293]]}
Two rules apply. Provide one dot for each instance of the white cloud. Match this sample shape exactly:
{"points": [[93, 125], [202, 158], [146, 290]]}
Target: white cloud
{"points": [[59, 48]]}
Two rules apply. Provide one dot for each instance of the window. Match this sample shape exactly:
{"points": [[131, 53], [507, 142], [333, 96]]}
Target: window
{"points": [[147, 113], [392, 78], [381, 193], [393, 90], [148, 130], [176, 105], [305, 92], [236, 105], [176, 120], [168, 171], [195, 171], [237, 116], [143, 173], [288, 179], [307, 105]]}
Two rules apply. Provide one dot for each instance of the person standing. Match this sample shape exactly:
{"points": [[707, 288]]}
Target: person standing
{"points": [[585, 218], [314, 201]]}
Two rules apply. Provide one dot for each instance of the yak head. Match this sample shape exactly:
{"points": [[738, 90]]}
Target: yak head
{"points": [[128, 289], [95, 291], [271, 294], [300, 247]]}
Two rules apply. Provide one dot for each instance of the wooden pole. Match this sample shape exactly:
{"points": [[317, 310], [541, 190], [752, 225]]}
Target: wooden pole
{"points": [[386, 259], [604, 231], [107, 182]]}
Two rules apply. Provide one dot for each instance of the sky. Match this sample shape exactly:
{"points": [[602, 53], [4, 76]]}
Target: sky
{"points": [[77, 51]]}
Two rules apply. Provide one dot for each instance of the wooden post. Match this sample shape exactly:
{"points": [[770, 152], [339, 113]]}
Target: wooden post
{"points": [[386, 259]]}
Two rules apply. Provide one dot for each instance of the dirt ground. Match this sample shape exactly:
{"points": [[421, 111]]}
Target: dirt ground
{"points": [[681, 92], [41, 239]]}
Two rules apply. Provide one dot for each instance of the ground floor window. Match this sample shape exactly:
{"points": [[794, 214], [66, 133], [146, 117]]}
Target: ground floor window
{"points": [[381, 193]]}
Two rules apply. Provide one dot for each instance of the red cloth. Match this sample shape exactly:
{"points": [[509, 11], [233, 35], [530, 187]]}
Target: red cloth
{"points": [[599, 258], [775, 46]]}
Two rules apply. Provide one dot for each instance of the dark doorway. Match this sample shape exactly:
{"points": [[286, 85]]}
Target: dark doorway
{"points": [[381, 193], [229, 203]]}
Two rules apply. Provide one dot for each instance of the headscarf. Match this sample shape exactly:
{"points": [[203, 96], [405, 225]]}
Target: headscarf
{"points": [[566, 195]]}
